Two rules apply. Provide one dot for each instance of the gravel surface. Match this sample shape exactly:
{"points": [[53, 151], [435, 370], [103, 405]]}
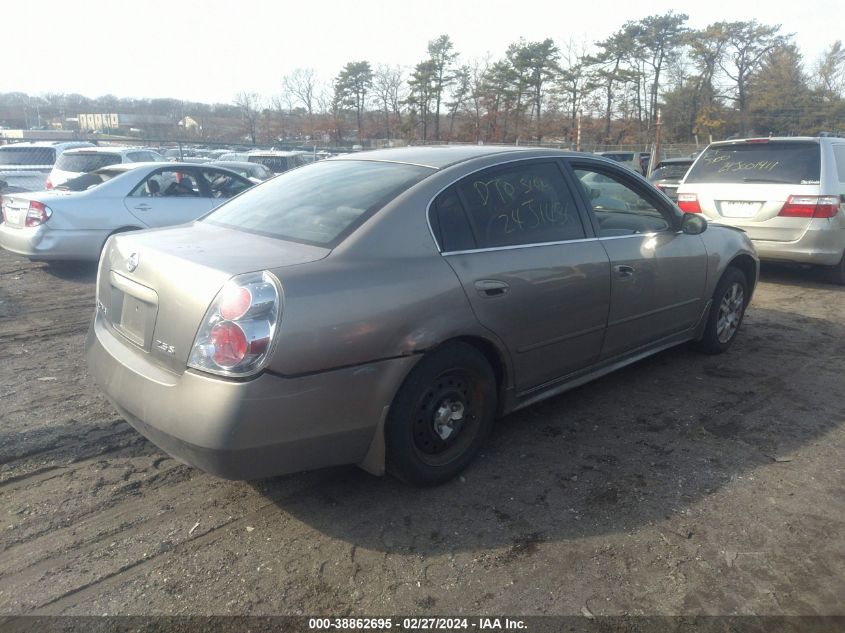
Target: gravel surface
{"points": [[685, 484]]}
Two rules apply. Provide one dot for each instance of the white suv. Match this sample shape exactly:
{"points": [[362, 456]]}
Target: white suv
{"points": [[76, 162], [787, 193]]}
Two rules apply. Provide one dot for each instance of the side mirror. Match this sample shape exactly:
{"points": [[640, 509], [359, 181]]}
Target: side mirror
{"points": [[693, 224]]}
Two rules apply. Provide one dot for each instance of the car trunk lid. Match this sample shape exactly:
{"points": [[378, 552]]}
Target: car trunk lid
{"points": [[754, 208], [154, 287]]}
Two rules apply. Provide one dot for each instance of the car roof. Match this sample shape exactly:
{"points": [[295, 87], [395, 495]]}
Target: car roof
{"points": [[672, 161], [441, 156], [75, 144], [235, 163], [103, 150], [764, 139], [269, 152]]}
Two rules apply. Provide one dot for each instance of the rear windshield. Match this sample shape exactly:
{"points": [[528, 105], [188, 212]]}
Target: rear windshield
{"points": [[86, 162], [88, 181], [11, 155], [787, 163], [620, 157], [320, 204], [675, 171], [276, 164]]}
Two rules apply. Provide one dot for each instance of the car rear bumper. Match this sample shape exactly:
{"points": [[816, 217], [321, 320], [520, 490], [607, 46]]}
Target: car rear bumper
{"points": [[43, 243], [267, 426], [822, 243]]}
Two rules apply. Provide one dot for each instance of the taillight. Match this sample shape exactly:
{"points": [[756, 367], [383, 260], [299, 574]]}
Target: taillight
{"points": [[237, 333], [810, 207], [48, 183], [688, 203], [37, 214]]}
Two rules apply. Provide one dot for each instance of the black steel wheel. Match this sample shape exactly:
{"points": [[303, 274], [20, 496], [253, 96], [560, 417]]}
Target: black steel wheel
{"points": [[441, 415]]}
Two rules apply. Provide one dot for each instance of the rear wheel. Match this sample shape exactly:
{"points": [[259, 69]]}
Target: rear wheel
{"points": [[441, 416], [726, 312]]}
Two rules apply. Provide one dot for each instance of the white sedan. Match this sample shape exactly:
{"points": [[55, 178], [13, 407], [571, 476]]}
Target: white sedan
{"points": [[74, 221]]}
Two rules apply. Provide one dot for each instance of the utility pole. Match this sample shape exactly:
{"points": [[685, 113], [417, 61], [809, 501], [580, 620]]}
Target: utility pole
{"points": [[578, 133], [655, 157]]}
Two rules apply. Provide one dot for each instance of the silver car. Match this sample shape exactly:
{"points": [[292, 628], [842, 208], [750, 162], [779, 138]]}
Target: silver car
{"points": [[382, 309], [73, 221], [788, 194]]}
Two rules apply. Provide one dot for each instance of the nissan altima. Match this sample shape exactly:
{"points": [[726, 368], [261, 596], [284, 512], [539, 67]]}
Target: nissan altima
{"points": [[384, 308]]}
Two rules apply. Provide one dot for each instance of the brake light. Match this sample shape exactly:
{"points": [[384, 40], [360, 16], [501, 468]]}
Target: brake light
{"points": [[48, 183], [810, 207], [37, 214], [229, 342], [239, 327], [688, 203]]}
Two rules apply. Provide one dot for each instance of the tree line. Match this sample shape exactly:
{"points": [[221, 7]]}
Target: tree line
{"points": [[728, 79]]}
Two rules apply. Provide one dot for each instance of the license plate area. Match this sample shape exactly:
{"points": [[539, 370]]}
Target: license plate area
{"points": [[13, 216], [739, 209], [134, 308]]}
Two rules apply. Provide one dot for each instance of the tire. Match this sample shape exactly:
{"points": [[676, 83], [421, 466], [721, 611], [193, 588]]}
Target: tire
{"points": [[726, 312], [837, 272], [441, 416]]}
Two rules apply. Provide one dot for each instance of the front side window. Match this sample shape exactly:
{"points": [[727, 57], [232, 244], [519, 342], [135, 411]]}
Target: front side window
{"points": [[319, 204], [169, 183], [619, 207], [524, 203], [223, 185]]}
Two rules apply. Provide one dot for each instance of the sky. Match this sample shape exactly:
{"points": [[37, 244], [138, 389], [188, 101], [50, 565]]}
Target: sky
{"points": [[209, 50]]}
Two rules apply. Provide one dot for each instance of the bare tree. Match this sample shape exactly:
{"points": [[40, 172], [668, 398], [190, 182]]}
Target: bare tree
{"points": [[387, 94], [302, 85], [249, 105]]}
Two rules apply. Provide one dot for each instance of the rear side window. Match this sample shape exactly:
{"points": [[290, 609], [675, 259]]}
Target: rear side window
{"points": [[11, 155], [839, 156], [319, 204], [86, 162], [767, 162], [450, 223], [526, 203]]}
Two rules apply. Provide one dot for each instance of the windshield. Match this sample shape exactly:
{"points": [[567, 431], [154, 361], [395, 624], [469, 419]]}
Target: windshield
{"points": [[768, 162], [672, 171], [11, 155], [320, 204], [86, 162], [89, 181]]}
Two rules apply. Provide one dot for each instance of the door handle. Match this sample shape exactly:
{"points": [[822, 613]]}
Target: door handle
{"points": [[491, 287], [623, 271], [143, 207]]}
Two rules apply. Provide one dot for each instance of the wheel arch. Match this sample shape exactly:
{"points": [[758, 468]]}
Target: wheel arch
{"points": [[748, 266]]}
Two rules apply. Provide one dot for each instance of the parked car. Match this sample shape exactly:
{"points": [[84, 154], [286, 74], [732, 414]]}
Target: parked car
{"points": [[275, 161], [23, 166], [382, 309], [256, 172], [631, 160], [73, 222], [668, 175], [75, 162], [788, 194]]}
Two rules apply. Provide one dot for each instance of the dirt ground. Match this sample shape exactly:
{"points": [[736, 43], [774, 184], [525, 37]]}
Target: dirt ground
{"points": [[685, 484]]}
